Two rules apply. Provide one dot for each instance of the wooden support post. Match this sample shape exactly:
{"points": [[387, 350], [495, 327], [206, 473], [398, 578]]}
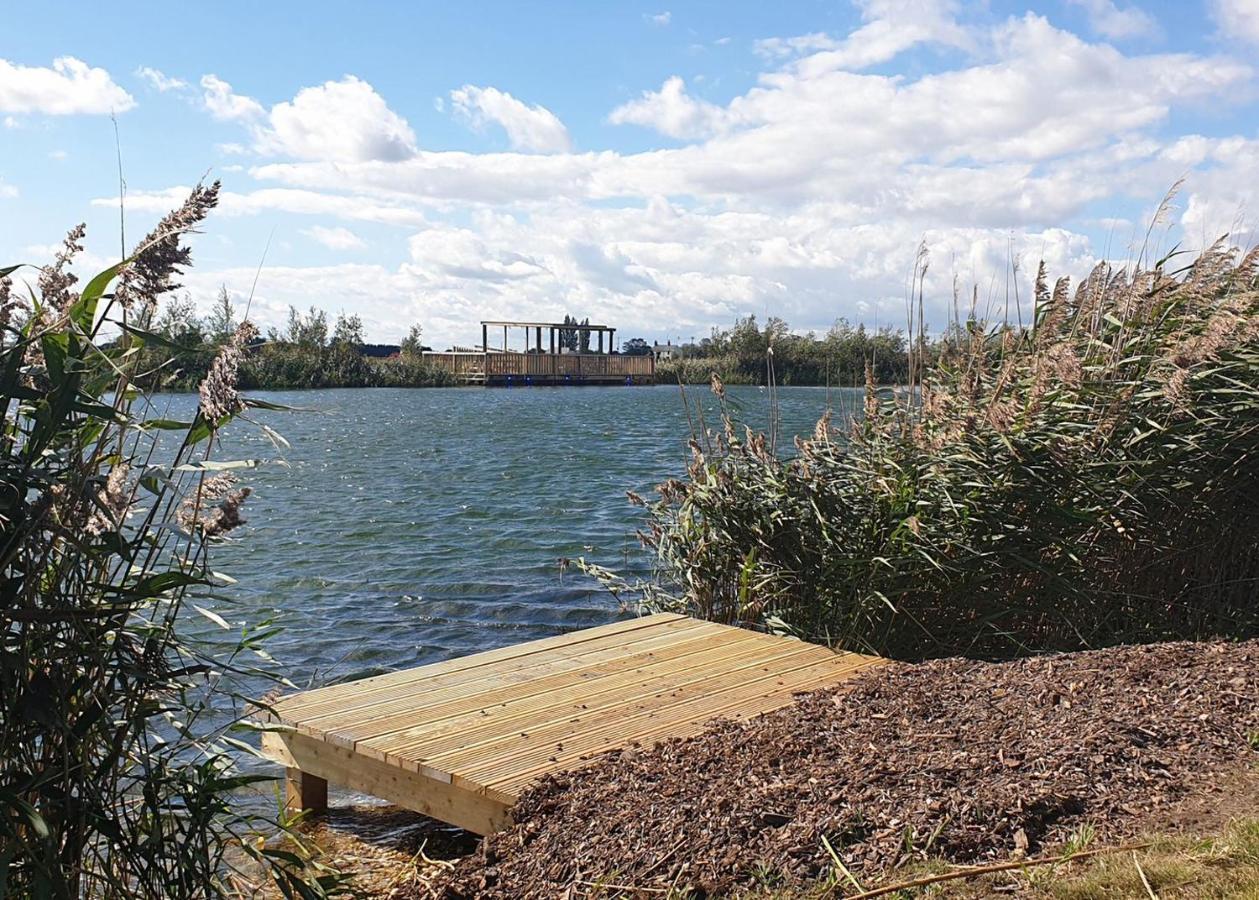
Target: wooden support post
{"points": [[305, 791], [601, 340], [612, 340], [552, 341], [539, 335], [485, 338], [504, 338]]}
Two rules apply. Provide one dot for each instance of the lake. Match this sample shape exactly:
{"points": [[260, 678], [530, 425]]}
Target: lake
{"points": [[408, 526]]}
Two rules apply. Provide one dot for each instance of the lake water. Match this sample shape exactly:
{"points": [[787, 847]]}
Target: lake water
{"points": [[409, 526]]}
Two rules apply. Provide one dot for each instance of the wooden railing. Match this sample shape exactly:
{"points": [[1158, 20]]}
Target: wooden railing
{"points": [[553, 367], [461, 364]]}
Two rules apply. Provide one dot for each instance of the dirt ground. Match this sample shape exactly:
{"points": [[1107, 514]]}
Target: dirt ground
{"points": [[955, 760]]}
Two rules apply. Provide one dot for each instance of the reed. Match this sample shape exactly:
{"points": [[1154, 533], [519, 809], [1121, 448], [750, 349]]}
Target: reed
{"points": [[119, 737], [1086, 480]]}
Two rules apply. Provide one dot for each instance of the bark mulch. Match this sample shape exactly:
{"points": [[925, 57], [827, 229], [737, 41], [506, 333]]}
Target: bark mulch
{"points": [[963, 760]]}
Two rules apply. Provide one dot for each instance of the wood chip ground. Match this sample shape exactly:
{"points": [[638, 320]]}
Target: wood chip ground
{"points": [[966, 760]]}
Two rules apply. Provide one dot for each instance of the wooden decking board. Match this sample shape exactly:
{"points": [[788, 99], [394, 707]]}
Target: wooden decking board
{"points": [[562, 705], [299, 704], [576, 752], [460, 739], [446, 700], [500, 743], [708, 699], [469, 715]]}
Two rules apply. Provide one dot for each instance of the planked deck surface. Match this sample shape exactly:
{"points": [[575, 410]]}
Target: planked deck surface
{"points": [[459, 740]]}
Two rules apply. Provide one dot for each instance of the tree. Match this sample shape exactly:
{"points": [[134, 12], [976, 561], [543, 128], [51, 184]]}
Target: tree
{"points": [[348, 331], [220, 324], [178, 321], [310, 330], [412, 344], [635, 347], [568, 336], [585, 336]]}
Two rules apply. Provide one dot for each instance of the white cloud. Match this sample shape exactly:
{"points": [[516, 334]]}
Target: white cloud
{"points": [[660, 19], [891, 27], [70, 87], [337, 121], [285, 200], [672, 111], [806, 195], [1110, 20], [344, 121], [227, 105], [159, 80], [533, 128], [1237, 19], [7, 191], [334, 238]]}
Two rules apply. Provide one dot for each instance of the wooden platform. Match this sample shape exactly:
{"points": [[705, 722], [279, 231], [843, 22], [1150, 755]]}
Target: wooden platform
{"points": [[459, 740]]}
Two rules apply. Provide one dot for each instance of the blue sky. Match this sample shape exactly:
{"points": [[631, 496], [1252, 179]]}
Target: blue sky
{"points": [[662, 168]]}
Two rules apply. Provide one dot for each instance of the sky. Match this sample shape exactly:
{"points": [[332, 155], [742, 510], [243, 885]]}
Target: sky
{"points": [[659, 168]]}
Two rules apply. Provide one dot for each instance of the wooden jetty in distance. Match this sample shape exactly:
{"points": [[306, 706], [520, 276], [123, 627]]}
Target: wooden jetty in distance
{"points": [[459, 740], [545, 364]]}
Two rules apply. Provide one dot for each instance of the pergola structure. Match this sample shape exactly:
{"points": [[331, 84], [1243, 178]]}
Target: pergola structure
{"points": [[533, 335]]}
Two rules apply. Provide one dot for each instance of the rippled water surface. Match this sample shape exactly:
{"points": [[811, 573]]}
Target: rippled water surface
{"points": [[409, 526]]}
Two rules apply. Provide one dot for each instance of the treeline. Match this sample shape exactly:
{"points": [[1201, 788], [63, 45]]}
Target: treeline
{"points": [[307, 353], [739, 355]]}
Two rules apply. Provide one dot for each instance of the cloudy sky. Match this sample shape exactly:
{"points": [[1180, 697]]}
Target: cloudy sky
{"points": [[659, 168]]}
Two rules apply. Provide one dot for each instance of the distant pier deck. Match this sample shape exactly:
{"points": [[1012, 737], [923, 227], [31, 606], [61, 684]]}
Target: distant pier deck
{"points": [[459, 740], [584, 362]]}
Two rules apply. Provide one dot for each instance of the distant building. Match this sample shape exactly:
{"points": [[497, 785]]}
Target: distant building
{"points": [[667, 350]]}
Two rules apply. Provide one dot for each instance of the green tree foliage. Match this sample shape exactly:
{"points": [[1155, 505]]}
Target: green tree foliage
{"points": [[309, 331], [221, 323], [635, 347], [568, 336], [740, 355], [413, 344], [348, 331]]}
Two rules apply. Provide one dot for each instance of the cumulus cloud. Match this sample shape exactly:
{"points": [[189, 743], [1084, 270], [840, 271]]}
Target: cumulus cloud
{"points": [[159, 80], [337, 121], [1237, 19], [334, 238], [225, 104], [1112, 21], [342, 120], [533, 128], [672, 111], [70, 87], [660, 19]]}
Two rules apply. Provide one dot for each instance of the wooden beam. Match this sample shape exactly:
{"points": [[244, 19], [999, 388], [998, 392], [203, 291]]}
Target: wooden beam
{"points": [[458, 806], [485, 338], [303, 791]]}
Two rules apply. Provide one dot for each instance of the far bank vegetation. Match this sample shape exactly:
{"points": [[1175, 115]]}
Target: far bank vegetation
{"points": [[307, 353]]}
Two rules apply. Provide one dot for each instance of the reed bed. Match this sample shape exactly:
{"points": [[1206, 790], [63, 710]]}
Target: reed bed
{"points": [[120, 737], [1087, 480]]}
